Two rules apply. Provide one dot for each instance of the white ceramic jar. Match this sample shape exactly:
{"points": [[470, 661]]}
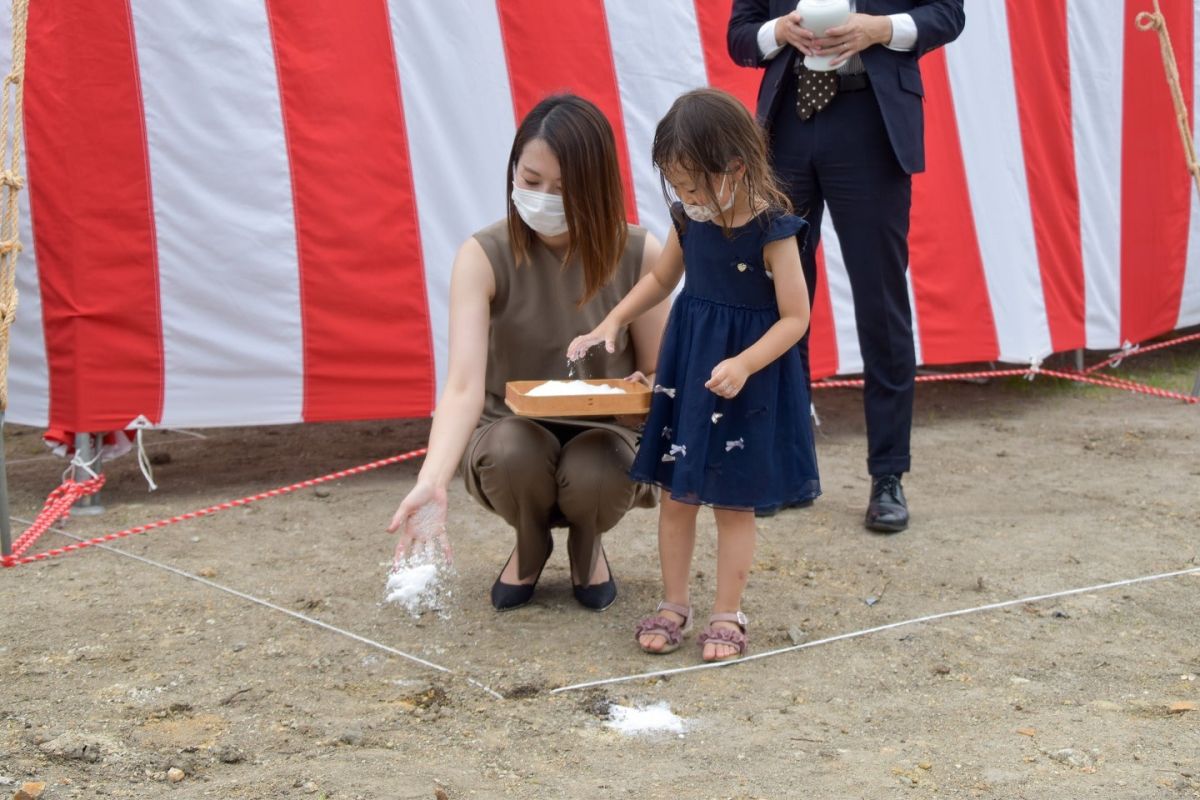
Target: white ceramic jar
{"points": [[819, 16]]}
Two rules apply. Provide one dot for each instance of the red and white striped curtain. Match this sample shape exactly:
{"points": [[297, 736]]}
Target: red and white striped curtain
{"points": [[244, 212]]}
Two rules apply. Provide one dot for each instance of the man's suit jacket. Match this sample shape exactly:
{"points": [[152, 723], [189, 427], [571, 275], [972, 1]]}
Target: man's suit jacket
{"points": [[895, 77]]}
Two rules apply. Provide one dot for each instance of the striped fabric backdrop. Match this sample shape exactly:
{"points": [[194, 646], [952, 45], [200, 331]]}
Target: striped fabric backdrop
{"points": [[244, 211]]}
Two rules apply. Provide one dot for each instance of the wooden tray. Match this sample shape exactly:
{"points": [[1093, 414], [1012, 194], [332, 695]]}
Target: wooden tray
{"points": [[636, 400]]}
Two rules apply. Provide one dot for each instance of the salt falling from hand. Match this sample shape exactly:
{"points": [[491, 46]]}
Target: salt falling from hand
{"points": [[421, 582], [407, 584]]}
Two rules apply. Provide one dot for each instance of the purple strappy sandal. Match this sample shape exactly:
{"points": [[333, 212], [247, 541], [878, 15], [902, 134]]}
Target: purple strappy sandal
{"points": [[732, 638], [668, 629]]}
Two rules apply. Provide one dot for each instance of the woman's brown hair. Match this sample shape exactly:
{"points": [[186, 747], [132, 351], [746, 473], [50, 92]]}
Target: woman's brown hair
{"points": [[704, 133], [579, 135]]}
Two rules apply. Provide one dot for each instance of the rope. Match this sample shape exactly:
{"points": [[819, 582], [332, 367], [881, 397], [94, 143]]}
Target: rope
{"points": [[59, 502], [1107, 381], [295, 614], [1036, 368], [142, 424], [1155, 21], [877, 629], [57, 506], [56, 500], [12, 137], [1137, 350]]}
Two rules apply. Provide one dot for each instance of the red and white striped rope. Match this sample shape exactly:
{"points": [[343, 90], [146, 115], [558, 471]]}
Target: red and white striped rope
{"points": [[57, 506], [1121, 383], [63, 494], [58, 503], [1116, 358], [857, 383], [1108, 381]]}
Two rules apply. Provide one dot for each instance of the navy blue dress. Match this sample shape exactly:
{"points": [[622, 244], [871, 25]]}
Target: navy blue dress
{"points": [[754, 450]]}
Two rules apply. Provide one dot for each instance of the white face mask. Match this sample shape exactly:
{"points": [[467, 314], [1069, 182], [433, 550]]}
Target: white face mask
{"points": [[541, 211], [707, 213]]}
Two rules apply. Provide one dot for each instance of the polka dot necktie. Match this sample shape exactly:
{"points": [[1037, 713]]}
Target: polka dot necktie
{"points": [[814, 89]]}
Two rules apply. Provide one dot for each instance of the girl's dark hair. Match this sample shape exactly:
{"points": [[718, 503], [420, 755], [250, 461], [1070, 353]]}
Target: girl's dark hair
{"points": [[704, 133], [579, 135]]}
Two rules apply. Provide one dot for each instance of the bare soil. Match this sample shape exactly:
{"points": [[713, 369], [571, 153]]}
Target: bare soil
{"points": [[115, 671]]}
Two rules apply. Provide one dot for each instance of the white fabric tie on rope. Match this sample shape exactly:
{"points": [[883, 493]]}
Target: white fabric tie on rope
{"points": [[141, 423], [1127, 349], [77, 462]]}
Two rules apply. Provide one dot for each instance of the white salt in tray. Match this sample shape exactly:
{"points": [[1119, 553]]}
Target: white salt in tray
{"points": [[602, 397]]}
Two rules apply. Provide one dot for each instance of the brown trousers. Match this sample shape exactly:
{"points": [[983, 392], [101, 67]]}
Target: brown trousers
{"points": [[538, 476]]}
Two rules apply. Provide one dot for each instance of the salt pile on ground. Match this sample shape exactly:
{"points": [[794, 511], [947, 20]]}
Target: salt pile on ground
{"points": [[421, 582], [566, 388], [657, 718]]}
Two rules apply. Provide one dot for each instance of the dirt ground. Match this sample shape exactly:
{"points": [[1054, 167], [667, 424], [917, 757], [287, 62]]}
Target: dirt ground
{"points": [[115, 672]]}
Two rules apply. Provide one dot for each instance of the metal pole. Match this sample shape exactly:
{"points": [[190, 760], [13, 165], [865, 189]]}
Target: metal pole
{"points": [[87, 447], [5, 522], [1196, 385], [1079, 359]]}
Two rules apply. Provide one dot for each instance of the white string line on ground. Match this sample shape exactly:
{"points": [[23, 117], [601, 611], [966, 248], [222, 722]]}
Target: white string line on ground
{"points": [[866, 631], [185, 432], [52, 457], [268, 604]]}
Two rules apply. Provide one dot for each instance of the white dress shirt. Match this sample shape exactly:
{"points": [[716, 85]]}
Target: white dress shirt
{"points": [[904, 39]]}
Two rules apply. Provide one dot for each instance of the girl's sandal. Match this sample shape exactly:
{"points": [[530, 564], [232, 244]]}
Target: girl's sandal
{"points": [[666, 628], [722, 635]]}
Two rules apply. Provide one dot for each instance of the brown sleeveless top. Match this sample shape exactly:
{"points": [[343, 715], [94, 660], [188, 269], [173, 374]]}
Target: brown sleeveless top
{"points": [[534, 316]]}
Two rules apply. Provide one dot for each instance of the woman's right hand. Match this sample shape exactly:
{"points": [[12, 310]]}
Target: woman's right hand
{"points": [[605, 333], [421, 520]]}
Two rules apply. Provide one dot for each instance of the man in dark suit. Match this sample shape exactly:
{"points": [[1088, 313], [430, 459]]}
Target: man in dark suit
{"points": [[851, 139]]}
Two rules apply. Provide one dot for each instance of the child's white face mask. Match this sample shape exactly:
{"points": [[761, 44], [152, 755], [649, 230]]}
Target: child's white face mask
{"points": [[707, 213], [541, 211]]}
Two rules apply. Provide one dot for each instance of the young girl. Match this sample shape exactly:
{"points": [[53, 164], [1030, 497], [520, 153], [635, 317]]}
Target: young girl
{"points": [[729, 421]]}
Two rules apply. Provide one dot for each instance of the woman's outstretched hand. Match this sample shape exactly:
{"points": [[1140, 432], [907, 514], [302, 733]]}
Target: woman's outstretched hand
{"points": [[604, 334], [421, 521]]}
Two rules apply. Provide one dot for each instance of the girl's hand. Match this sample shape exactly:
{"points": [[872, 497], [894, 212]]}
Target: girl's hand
{"points": [[639, 377], [635, 421], [728, 378], [421, 521], [605, 333]]}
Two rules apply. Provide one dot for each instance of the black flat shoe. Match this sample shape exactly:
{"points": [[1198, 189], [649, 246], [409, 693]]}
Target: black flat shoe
{"points": [[888, 510], [597, 596], [507, 596], [771, 511]]}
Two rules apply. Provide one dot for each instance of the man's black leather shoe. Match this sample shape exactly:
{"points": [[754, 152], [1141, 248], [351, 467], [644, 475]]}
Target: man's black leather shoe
{"points": [[888, 511]]}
